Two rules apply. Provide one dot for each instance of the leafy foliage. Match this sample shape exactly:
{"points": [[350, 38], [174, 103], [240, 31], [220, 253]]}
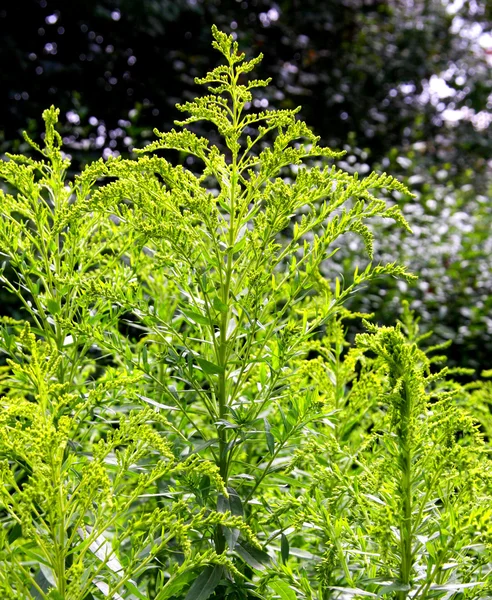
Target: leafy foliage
{"points": [[403, 512], [409, 85], [181, 398]]}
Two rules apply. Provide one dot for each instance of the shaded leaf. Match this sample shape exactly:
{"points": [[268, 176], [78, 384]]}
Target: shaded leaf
{"points": [[258, 559], [284, 548], [174, 586], [205, 583], [269, 437]]}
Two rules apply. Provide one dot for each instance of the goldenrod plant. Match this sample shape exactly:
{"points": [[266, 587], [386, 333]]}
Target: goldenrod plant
{"points": [[410, 518], [181, 356]]}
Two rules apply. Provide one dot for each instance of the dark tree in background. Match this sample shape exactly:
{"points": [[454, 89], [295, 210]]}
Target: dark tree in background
{"points": [[360, 66], [406, 84]]}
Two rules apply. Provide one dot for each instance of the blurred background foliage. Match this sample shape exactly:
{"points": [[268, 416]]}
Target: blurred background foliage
{"points": [[404, 85]]}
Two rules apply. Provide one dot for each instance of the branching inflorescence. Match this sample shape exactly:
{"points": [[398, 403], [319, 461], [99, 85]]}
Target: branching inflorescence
{"points": [[180, 399]]}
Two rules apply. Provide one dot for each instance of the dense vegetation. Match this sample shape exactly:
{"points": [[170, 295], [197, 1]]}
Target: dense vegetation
{"points": [[182, 413], [405, 87]]}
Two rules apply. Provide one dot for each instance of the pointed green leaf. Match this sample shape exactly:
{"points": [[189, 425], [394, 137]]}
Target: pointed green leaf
{"points": [[155, 403], [235, 504], [283, 589], [205, 583], [351, 591], [284, 548], [231, 535], [204, 487], [15, 533], [208, 367], [53, 306], [145, 358], [394, 587], [269, 437], [174, 586], [132, 587], [258, 559], [196, 317], [219, 305]]}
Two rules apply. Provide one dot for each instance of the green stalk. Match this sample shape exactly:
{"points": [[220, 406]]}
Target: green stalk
{"points": [[223, 459], [405, 461]]}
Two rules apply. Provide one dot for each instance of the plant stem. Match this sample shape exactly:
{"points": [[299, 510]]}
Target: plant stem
{"points": [[220, 542], [405, 461]]}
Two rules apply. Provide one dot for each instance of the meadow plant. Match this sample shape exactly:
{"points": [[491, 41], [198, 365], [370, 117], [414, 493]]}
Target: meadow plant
{"points": [[181, 393]]}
